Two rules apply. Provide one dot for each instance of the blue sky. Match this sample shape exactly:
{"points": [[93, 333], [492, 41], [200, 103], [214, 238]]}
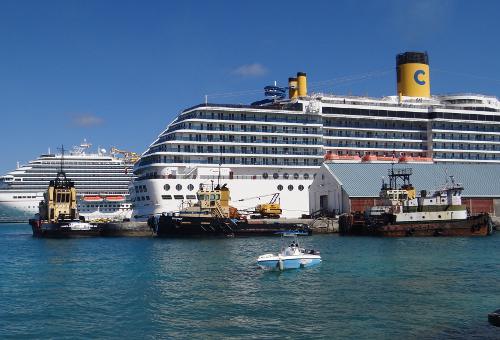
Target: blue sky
{"points": [[117, 72]]}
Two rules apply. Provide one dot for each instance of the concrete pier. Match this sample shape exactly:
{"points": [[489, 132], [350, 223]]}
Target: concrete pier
{"points": [[324, 225]]}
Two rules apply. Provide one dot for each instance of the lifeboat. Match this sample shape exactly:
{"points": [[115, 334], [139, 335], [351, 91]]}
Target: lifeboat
{"points": [[405, 159], [423, 159], [95, 198], [353, 158], [387, 158], [115, 198], [369, 158], [331, 156]]}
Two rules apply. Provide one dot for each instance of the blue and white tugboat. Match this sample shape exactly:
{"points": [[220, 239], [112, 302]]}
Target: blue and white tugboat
{"points": [[291, 256]]}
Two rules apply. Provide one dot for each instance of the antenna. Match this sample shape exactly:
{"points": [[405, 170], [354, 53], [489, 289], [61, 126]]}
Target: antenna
{"points": [[220, 164], [62, 158]]}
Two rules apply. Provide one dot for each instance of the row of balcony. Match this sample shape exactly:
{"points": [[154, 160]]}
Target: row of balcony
{"points": [[251, 139], [242, 161]]}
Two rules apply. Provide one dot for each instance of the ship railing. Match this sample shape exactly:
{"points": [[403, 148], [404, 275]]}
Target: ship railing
{"points": [[291, 177], [249, 119], [426, 105], [281, 131], [269, 141], [217, 212]]}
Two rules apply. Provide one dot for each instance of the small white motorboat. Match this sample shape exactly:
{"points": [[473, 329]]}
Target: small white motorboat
{"points": [[291, 256]]}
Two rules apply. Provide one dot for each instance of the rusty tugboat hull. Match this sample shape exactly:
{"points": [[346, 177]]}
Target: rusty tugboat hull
{"points": [[355, 224]]}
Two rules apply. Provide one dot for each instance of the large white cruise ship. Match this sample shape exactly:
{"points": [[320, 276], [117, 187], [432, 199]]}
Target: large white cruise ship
{"points": [[277, 145], [101, 179]]}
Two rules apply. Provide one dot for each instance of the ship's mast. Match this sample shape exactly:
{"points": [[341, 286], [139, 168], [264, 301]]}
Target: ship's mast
{"points": [[61, 171]]}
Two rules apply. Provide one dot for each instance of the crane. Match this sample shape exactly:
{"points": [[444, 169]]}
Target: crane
{"points": [[133, 157], [267, 210]]}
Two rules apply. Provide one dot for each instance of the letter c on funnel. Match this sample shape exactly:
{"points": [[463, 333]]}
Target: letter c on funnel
{"points": [[416, 77]]}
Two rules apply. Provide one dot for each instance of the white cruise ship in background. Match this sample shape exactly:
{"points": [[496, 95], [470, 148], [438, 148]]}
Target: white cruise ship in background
{"points": [[101, 179], [277, 145]]}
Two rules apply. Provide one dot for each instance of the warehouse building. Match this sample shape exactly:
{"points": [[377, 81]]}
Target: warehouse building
{"points": [[350, 187]]}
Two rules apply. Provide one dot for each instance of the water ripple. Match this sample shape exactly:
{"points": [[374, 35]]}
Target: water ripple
{"points": [[422, 288]]}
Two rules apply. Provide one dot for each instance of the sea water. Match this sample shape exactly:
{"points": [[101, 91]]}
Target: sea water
{"points": [[212, 288]]}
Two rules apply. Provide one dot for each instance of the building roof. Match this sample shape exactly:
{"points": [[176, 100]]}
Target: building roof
{"points": [[365, 179]]}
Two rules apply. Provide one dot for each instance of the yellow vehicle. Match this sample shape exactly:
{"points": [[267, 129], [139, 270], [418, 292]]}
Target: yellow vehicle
{"points": [[271, 209]]}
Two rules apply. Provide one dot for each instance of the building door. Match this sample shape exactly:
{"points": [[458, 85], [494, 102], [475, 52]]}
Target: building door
{"points": [[323, 202]]}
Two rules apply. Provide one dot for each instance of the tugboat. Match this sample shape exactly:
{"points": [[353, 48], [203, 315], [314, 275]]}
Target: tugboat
{"points": [[212, 215], [400, 212], [58, 214]]}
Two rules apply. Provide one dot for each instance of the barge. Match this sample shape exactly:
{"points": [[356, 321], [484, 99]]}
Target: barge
{"points": [[212, 215]]}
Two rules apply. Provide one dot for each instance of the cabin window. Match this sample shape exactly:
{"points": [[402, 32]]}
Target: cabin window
{"points": [[178, 187], [296, 176], [301, 187], [190, 187], [280, 187], [285, 175], [166, 187], [290, 187], [265, 175], [306, 176], [275, 175], [212, 197]]}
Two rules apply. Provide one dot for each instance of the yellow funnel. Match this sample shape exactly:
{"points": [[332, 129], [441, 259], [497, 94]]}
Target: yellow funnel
{"points": [[302, 84], [413, 74]]}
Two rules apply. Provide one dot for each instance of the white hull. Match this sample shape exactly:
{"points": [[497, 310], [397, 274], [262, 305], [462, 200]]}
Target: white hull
{"points": [[431, 216], [22, 209], [245, 195]]}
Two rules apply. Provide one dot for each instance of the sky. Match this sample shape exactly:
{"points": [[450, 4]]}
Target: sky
{"points": [[118, 72]]}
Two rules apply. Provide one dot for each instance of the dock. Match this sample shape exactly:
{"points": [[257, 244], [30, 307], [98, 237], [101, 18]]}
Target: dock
{"points": [[254, 227]]}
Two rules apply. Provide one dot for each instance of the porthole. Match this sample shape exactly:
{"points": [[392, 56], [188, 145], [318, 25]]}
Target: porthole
{"points": [[190, 187], [286, 175], [295, 176], [306, 176], [265, 175], [280, 187], [178, 187], [166, 187], [439, 216], [301, 187], [275, 175], [290, 187]]}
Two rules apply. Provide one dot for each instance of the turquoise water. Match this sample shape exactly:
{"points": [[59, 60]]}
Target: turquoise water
{"points": [[211, 288]]}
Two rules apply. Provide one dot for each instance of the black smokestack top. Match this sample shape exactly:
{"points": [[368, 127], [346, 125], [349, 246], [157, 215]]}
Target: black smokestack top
{"points": [[412, 57]]}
